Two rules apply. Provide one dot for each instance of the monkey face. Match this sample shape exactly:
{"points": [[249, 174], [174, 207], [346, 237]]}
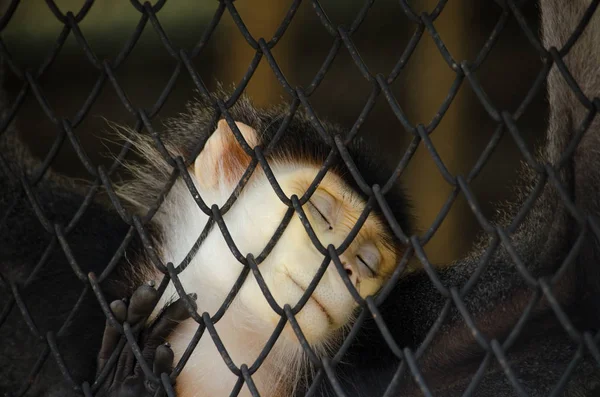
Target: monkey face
{"points": [[295, 261]]}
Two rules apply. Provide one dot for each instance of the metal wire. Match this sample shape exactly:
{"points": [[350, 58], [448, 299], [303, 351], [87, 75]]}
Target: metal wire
{"points": [[342, 36]]}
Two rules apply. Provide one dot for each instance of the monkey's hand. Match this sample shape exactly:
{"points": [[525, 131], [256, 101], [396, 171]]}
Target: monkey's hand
{"points": [[119, 372]]}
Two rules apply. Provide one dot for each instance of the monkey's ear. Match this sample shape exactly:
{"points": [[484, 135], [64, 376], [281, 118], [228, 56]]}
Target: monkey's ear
{"points": [[223, 160]]}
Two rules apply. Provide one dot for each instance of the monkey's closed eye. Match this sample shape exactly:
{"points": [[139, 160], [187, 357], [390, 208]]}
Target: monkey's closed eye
{"points": [[368, 259], [321, 214], [323, 204]]}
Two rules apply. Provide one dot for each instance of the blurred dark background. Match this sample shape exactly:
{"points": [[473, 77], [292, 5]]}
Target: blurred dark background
{"points": [[464, 26]]}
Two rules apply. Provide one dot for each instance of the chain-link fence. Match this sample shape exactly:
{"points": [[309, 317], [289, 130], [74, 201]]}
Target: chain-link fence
{"points": [[406, 359]]}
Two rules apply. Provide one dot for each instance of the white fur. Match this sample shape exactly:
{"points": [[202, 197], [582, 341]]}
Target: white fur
{"points": [[249, 321], [287, 270]]}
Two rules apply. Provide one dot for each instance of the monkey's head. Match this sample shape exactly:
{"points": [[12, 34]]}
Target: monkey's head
{"points": [[290, 265], [288, 270], [293, 262]]}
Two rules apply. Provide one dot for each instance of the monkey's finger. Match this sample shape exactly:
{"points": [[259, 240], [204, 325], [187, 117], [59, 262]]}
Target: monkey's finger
{"points": [[162, 363], [111, 336], [125, 365], [141, 304], [163, 360], [119, 310], [174, 314]]}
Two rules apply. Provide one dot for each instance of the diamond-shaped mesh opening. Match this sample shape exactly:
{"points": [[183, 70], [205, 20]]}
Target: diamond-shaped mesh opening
{"points": [[515, 315]]}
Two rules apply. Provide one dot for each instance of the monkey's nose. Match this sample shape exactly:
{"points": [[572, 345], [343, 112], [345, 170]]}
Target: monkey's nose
{"points": [[350, 271]]}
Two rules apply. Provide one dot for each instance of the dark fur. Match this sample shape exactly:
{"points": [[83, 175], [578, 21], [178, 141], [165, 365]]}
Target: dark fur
{"points": [[538, 357], [542, 352], [53, 291]]}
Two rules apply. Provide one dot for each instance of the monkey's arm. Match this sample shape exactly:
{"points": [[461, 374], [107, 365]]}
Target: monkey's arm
{"points": [[35, 269]]}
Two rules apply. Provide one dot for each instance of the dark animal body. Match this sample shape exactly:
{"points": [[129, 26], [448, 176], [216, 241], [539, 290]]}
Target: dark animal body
{"points": [[543, 240], [49, 292], [50, 287]]}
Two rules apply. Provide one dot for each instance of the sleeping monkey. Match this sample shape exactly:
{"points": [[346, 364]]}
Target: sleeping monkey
{"points": [[332, 210], [455, 360], [181, 232]]}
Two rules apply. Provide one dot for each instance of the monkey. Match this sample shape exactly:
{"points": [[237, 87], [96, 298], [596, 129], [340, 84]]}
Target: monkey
{"points": [[334, 207], [541, 241], [331, 211]]}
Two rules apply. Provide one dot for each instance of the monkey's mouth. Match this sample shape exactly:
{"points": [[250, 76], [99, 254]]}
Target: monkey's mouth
{"points": [[314, 299]]}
